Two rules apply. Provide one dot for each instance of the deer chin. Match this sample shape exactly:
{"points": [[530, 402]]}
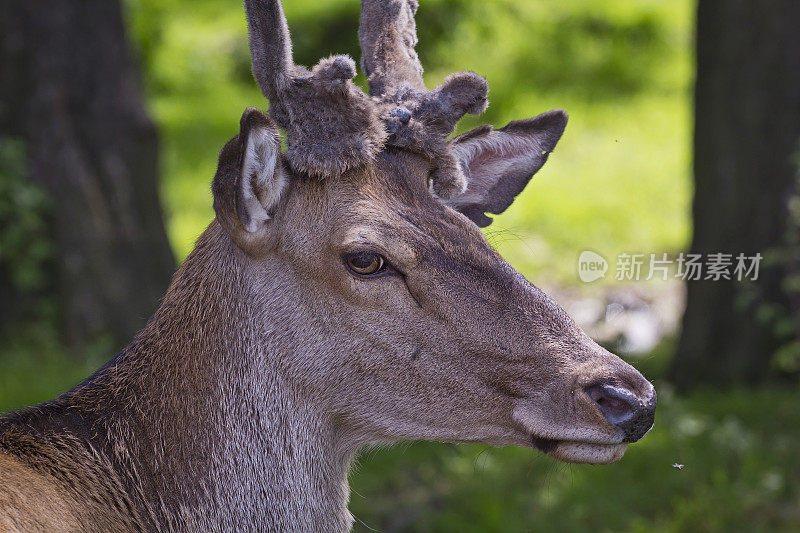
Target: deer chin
{"points": [[580, 452]]}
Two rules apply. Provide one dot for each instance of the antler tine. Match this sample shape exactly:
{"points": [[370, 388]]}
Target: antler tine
{"points": [[331, 125], [415, 118], [388, 35], [270, 45]]}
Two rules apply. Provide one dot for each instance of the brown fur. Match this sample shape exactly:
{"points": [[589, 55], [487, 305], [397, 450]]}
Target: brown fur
{"points": [[57, 482], [32, 501]]}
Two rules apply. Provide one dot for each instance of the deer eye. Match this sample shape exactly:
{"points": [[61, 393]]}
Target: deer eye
{"points": [[364, 263]]}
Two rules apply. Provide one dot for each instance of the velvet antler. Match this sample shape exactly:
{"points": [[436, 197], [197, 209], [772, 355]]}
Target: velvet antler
{"points": [[388, 36], [416, 119], [331, 125]]}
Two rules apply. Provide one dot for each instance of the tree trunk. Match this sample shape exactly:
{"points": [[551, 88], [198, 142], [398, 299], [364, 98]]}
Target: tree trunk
{"points": [[70, 91], [747, 127]]}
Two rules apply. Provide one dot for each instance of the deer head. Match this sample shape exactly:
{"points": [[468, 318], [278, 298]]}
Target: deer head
{"points": [[396, 318]]}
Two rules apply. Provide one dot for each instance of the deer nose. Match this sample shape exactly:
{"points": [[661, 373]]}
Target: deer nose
{"points": [[631, 413]]}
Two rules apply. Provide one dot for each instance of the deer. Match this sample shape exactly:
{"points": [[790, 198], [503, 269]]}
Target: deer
{"points": [[344, 296]]}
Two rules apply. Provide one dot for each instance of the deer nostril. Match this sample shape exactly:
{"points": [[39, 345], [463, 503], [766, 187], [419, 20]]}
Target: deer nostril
{"points": [[616, 404], [624, 409]]}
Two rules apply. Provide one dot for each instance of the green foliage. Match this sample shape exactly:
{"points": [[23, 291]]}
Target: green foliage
{"points": [[780, 314], [24, 245], [787, 357], [36, 367]]}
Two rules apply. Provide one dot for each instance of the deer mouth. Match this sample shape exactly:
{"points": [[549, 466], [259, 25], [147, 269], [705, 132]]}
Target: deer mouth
{"points": [[570, 451]]}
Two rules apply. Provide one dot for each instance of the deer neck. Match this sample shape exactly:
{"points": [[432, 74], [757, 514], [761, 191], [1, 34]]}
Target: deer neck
{"points": [[281, 464], [259, 450]]}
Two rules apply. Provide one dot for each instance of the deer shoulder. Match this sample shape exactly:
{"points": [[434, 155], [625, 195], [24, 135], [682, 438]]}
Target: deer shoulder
{"points": [[58, 483]]}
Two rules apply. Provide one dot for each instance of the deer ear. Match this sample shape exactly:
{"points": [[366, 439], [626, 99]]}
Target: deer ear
{"points": [[498, 164], [262, 179], [251, 177]]}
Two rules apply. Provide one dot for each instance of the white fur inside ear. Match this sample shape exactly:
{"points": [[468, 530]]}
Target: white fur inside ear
{"points": [[263, 180], [484, 161]]}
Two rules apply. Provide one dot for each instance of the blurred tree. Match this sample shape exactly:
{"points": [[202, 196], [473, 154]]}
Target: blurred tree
{"points": [[747, 126], [70, 92]]}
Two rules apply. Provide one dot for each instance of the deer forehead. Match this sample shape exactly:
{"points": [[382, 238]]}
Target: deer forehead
{"points": [[383, 212]]}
